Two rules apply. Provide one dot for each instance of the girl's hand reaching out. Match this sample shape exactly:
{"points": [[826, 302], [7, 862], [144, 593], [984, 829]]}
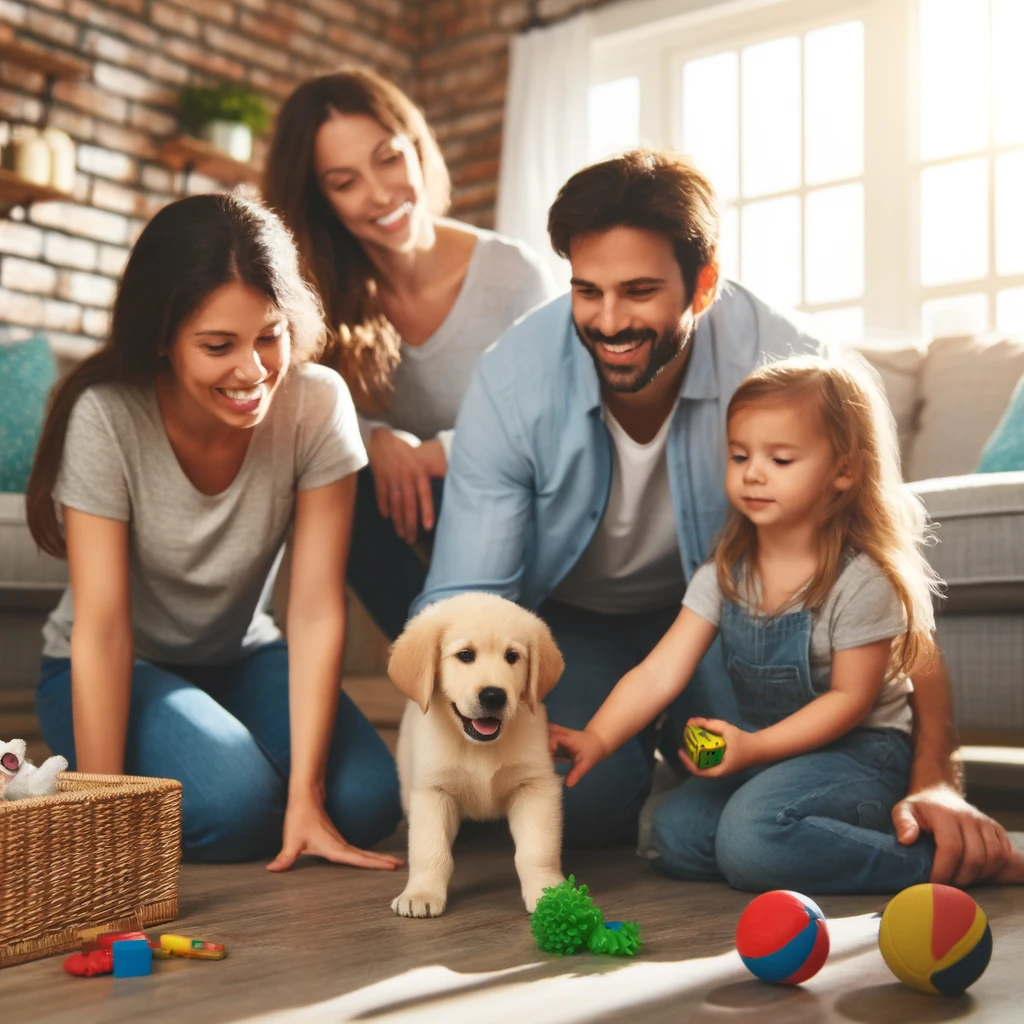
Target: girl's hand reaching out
{"points": [[741, 749], [585, 748]]}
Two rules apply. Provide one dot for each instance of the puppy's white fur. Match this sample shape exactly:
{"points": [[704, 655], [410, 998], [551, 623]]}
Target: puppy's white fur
{"points": [[447, 771]]}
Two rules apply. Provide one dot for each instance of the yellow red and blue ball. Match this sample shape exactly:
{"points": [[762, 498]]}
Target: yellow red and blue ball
{"points": [[935, 938], [782, 937]]}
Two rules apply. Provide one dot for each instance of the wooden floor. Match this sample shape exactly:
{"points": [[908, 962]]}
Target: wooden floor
{"points": [[321, 944], [321, 932]]}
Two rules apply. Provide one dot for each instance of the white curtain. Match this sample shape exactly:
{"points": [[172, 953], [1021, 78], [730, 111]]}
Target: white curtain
{"points": [[545, 134]]}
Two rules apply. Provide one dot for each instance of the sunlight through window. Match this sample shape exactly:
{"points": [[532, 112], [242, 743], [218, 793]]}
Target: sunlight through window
{"points": [[771, 117], [711, 129], [613, 117], [834, 103]]}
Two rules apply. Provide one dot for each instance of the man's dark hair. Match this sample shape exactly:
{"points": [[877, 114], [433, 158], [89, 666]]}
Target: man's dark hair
{"points": [[656, 190]]}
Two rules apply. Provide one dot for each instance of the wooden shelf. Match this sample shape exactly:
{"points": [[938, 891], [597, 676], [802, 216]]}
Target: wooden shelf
{"points": [[15, 190], [183, 152], [29, 55]]}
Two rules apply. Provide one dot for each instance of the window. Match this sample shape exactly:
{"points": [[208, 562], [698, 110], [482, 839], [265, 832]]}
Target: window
{"points": [[971, 165], [868, 154], [779, 128]]}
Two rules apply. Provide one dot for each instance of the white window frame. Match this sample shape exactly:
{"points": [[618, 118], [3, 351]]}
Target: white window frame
{"points": [[651, 39]]}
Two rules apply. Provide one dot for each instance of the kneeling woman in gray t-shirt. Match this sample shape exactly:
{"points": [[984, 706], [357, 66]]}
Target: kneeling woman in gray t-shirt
{"points": [[171, 466]]}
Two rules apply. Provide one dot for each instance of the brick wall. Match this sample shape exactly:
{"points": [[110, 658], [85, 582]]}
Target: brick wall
{"points": [[460, 77], [59, 266]]}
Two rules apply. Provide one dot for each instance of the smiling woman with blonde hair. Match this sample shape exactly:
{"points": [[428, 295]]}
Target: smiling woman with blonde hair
{"points": [[411, 300]]}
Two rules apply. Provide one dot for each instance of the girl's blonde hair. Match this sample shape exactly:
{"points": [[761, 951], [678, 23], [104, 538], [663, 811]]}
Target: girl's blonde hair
{"points": [[876, 515]]}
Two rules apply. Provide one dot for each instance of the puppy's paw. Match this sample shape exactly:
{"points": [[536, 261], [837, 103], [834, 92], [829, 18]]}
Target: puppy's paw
{"points": [[419, 904], [533, 888]]}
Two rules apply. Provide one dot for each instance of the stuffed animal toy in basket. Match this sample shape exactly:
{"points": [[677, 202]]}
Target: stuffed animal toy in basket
{"points": [[20, 778]]}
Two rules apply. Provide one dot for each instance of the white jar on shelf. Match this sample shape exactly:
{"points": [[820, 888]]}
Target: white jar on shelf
{"points": [[63, 159], [32, 160], [231, 137]]}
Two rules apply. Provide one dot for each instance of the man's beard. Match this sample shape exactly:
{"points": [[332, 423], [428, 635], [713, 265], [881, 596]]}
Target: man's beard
{"points": [[662, 350]]}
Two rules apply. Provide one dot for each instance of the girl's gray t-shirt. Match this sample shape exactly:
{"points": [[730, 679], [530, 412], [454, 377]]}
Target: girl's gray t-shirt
{"points": [[861, 608], [504, 280], [201, 567]]}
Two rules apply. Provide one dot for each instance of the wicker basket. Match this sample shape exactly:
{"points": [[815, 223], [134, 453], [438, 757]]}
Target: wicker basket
{"points": [[103, 852]]}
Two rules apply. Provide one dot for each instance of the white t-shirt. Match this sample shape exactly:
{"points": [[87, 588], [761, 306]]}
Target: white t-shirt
{"points": [[632, 563], [201, 566]]}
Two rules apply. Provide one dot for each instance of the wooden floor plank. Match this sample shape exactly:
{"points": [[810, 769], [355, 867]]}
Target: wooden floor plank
{"points": [[319, 931]]}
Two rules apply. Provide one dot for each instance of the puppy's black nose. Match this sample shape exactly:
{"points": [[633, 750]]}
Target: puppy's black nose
{"points": [[493, 698]]}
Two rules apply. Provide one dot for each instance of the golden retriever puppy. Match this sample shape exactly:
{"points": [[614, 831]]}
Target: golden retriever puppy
{"points": [[473, 742]]}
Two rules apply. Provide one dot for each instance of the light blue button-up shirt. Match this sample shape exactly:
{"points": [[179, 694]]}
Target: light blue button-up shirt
{"points": [[531, 466]]}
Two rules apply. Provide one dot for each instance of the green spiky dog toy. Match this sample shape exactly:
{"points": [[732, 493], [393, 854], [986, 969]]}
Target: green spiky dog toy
{"points": [[565, 920]]}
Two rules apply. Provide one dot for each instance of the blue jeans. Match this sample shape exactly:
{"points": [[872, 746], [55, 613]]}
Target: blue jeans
{"points": [[384, 571], [222, 731], [817, 823], [602, 809]]}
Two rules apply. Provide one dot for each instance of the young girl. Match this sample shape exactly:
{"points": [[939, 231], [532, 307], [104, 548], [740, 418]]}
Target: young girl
{"points": [[823, 602], [412, 300], [171, 465]]}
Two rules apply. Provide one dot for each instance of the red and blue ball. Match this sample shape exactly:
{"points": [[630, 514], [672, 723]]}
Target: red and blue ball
{"points": [[782, 937]]}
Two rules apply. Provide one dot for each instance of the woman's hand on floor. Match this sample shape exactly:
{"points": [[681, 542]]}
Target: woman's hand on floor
{"points": [[402, 473], [307, 829]]}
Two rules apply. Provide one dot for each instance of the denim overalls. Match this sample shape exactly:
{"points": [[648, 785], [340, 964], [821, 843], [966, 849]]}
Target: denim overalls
{"points": [[768, 659], [818, 822]]}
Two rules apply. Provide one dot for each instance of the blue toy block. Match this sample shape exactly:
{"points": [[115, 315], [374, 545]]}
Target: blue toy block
{"points": [[132, 958]]}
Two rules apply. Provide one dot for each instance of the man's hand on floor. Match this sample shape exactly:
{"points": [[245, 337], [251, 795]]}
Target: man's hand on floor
{"points": [[970, 847]]}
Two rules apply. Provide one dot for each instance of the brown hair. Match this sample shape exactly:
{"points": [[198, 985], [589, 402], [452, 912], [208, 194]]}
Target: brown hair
{"points": [[877, 515], [188, 250], [657, 190], [363, 347]]}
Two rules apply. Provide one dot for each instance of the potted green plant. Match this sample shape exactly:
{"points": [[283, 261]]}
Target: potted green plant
{"points": [[227, 116]]}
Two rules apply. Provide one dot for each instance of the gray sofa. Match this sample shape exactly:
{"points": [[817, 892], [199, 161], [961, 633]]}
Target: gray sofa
{"points": [[947, 399]]}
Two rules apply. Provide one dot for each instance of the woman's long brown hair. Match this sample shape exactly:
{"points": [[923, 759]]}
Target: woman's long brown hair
{"points": [[188, 250], [363, 346], [877, 515]]}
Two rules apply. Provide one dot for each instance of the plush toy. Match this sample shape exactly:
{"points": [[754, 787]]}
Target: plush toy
{"points": [[20, 778], [565, 920]]}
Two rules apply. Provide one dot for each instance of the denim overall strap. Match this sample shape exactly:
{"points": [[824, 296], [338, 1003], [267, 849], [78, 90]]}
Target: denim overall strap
{"points": [[768, 661]]}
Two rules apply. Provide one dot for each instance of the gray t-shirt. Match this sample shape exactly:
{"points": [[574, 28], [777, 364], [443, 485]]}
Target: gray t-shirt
{"points": [[861, 608], [201, 567], [503, 281]]}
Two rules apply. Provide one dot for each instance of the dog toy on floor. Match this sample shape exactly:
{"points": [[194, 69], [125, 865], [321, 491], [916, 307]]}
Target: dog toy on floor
{"points": [[566, 919], [20, 778]]}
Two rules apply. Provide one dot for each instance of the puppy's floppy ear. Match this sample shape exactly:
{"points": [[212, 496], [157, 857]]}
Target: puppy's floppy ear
{"points": [[415, 656], [546, 664]]}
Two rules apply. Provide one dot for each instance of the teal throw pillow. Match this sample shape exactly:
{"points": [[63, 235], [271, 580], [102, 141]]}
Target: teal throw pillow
{"points": [[1004, 450], [27, 373]]}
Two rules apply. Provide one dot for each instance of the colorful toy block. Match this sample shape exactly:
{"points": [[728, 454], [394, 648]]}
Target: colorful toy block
{"points": [[132, 958]]}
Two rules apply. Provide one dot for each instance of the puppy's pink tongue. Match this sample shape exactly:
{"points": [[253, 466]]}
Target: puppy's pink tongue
{"points": [[486, 726]]}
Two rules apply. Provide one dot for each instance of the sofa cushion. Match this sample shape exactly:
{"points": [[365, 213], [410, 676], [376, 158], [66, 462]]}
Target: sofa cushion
{"points": [[27, 373], [29, 580], [898, 364], [1004, 450], [985, 654], [965, 388], [979, 531]]}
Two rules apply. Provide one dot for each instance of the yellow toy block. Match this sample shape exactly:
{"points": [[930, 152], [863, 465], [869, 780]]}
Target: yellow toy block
{"points": [[706, 749]]}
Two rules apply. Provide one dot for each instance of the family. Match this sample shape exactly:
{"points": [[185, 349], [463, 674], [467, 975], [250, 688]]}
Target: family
{"points": [[705, 512]]}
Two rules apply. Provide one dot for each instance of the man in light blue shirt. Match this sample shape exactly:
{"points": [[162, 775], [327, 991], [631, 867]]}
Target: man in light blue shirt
{"points": [[586, 479]]}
